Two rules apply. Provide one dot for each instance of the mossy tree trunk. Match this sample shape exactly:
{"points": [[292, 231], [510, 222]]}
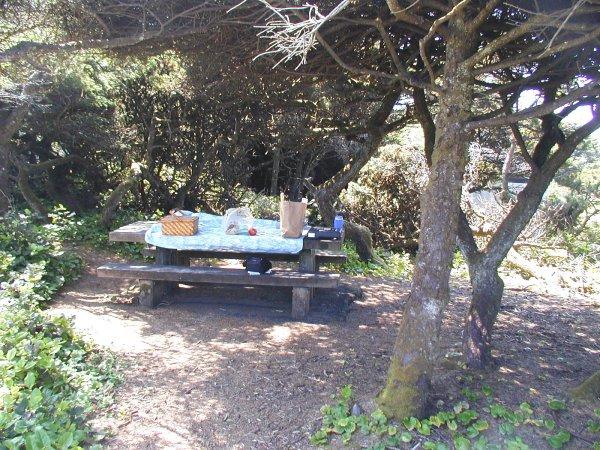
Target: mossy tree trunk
{"points": [[415, 350], [589, 390]]}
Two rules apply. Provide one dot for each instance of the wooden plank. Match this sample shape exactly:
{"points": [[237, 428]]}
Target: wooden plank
{"points": [[181, 274], [300, 302], [316, 244], [322, 256], [330, 257], [134, 232]]}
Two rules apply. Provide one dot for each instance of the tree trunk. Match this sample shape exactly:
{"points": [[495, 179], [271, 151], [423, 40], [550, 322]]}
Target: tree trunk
{"points": [[360, 235], [108, 212], [8, 128], [589, 390], [30, 196], [406, 390], [413, 357], [505, 193], [275, 171], [362, 238], [483, 265], [488, 288], [6, 185]]}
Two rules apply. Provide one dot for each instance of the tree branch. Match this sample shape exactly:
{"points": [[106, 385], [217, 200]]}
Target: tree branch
{"points": [[535, 111]]}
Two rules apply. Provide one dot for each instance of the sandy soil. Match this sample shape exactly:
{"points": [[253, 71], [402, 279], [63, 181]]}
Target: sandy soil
{"points": [[243, 375]]}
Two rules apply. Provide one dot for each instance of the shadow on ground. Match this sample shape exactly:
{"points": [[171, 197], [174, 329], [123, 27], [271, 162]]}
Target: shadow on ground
{"points": [[204, 374]]}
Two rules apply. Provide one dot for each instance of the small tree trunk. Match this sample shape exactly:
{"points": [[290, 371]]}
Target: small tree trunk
{"points": [[488, 288], [6, 184], [505, 194], [108, 212], [30, 196], [589, 390], [275, 171], [362, 238], [360, 235]]}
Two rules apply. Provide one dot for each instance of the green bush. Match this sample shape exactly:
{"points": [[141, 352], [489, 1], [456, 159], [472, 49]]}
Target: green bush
{"points": [[66, 226], [385, 197], [50, 379], [31, 256], [393, 265]]}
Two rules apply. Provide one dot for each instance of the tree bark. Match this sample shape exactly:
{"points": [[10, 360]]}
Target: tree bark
{"points": [[8, 128], [486, 298], [505, 193], [108, 212], [483, 265], [30, 196], [327, 194], [275, 171], [413, 357], [6, 185]]}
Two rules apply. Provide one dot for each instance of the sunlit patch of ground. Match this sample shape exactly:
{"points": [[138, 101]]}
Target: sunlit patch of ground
{"points": [[209, 375]]}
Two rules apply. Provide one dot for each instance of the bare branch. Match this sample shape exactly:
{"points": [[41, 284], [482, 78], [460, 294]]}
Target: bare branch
{"points": [[520, 141], [535, 111], [294, 39], [482, 15], [537, 21], [436, 24]]}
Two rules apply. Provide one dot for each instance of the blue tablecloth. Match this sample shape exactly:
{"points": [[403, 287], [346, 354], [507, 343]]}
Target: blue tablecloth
{"points": [[212, 238]]}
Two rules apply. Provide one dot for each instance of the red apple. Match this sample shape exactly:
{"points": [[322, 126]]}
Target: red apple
{"points": [[252, 231]]}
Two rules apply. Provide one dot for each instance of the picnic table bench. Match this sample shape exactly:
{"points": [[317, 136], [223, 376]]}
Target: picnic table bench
{"points": [[172, 266]]}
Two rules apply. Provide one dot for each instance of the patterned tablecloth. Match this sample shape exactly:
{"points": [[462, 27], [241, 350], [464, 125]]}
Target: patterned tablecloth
{"points": [[211, 238]]}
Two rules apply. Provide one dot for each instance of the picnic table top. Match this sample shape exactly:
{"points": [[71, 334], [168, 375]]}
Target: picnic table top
{"points": [[136, 232]]}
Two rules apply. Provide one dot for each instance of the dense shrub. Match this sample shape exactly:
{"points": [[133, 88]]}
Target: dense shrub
{"points": [[390, 265], [86, 228], [385, 197], [50, 379]]}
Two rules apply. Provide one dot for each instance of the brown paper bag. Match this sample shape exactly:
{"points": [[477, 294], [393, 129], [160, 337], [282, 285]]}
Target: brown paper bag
{"points": [[292, 215]]}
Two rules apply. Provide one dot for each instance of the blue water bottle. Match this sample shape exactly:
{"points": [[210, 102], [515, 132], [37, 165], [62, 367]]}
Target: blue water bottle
{"points": [[338, 222]]}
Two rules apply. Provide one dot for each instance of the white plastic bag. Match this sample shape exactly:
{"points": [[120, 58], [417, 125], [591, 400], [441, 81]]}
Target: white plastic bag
{"points": [[237, 220]]}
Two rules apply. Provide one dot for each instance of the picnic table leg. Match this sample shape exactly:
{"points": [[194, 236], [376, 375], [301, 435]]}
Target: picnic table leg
{"points": [[182, 260], [154, 292], [301, 297]]}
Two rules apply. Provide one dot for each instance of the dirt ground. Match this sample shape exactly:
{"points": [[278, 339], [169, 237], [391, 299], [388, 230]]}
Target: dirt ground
{"points": [[213, 375]]}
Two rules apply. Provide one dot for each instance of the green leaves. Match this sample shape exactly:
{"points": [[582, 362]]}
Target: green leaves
{"points": [[29, 379], [406, 437], [515, 443], [498, 411], [320, 437], [346, 393], [507, 428], [461, 443], [411, 423], [557, 405], [50, 379], [559, 439], [463, 425], [35, 399], [466, 417]]}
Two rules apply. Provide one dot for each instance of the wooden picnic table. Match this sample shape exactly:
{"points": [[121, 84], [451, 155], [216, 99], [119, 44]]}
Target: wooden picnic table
{"points": [[173, 266]]}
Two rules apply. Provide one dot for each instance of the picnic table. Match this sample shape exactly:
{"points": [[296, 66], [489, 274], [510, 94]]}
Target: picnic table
{"points": [[172, 266]]}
